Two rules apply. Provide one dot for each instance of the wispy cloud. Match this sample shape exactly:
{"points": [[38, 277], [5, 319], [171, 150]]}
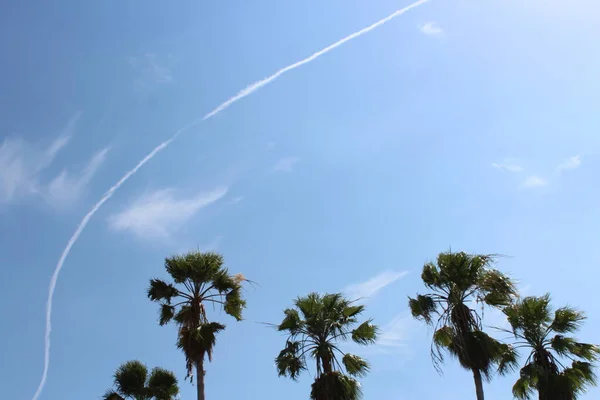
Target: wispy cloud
{"points": [[568, 164], [286, 164], [508, 165], [23, 166], [151, 70], [65, 188], [213, 245], [396, 332], [236, 200], [431, 29], [370, 287], [534, 181], [158, 214], [394, 337]]}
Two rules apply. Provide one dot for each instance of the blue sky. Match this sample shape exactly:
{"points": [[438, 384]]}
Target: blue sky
{"points": [[460, 123]]}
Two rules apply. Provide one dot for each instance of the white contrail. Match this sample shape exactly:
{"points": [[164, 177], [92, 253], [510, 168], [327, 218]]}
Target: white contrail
{"points": [[257, 85], [243, 93]]}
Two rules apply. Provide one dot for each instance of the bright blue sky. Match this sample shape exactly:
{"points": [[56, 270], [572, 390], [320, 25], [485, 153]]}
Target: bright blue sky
{"points": [[461, 123]]}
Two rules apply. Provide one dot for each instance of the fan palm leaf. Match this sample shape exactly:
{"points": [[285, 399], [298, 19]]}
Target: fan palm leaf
{"points": [[315, 327], [459, 284], [542, 331]]}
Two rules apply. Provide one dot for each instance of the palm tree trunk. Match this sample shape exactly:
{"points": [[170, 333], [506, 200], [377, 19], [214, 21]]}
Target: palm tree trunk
{"points": [[200, 379], [478, 383]]}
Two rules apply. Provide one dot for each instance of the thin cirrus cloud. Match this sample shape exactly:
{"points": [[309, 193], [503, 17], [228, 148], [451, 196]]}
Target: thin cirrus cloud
{"points": [[158, 214], [65, 188], [508, 165], [534, 181], [431, 28], [568, 164], [286, 164], [24, 165], [372, 286], [151, 70]]}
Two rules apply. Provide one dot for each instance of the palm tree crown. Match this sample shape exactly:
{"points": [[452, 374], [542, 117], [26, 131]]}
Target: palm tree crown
{"points": [[131, 381], [537, 328], [198, 279], [459, 282], [315, 326]]}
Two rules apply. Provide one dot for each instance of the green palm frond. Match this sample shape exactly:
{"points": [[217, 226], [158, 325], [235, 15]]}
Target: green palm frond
{"points": [[315, 327], [130, 379], [112, 395], [506, 357], [522, 390], [167, 313], [234, 304], [431, 276], [161, 291], [365, 333], [355, 365], [444, 337], [289, 362], [335, 386], [496, 288], [162, 384], [567, 320], [423, 307], [543, 332], [291, 322]]}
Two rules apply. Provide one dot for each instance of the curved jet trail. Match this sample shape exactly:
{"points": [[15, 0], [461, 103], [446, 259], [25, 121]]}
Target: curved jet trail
{"points": [[243, 93]]}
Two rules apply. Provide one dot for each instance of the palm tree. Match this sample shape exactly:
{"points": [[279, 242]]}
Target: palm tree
{"points": [[460, 282], [131, 381], [198, 279], [544, 333], [315, 327]]}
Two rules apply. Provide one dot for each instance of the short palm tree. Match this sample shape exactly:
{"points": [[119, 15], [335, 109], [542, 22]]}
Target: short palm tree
{"points": [[461, 283], [543, 332], [131, 381], [199, 279], [315, 327]]}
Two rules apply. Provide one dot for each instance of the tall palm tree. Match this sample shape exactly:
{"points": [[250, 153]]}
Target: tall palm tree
{"points": [[131, 381], [543, 332], [315, 327], [461, 283], [199, 279]]}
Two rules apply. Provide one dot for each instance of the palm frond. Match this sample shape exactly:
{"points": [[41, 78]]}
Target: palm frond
{"points": [[161, 291], [522, 389], [506, 357], [567, 320], [423, 307], [355, 365], [431, 276], [365, 333], [335, 386], [130, 379], [112, 395], [162, 384], [289, 362], [166, 314], [234, 304], [497, 289], [315, 326], [291, 322]]}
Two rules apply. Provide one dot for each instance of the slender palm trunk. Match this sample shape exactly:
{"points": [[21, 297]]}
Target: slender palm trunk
{"points": [[200, 379], [478, 383]]}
